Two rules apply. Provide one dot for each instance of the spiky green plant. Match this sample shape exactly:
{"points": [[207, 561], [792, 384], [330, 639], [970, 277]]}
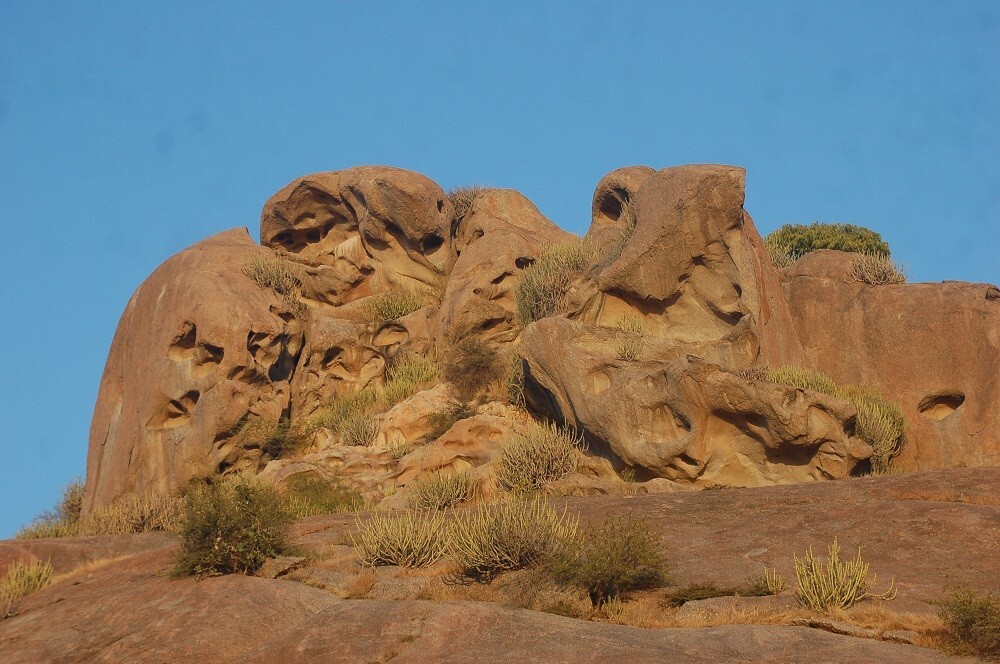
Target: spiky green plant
{"points": [[441, 490], [544, 284], [359, 430], [22, 579], [344, 408], [833, 583], [392, 305], [409, 539], [542, 454], [877, 269], [277, 275], [406, 378], [800, 239], [308, 494]]}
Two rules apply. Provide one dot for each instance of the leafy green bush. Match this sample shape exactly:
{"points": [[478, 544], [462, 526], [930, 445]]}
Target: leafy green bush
{"points": [[392, 305], [611, 559], [441, 490], [410, 539], [471, 365], [231, 527], [543, 454], [308, 494], [22, 579], [833, 583], [881, 423], [973, 620], [545, 283], [507, 535], [793, 241]]}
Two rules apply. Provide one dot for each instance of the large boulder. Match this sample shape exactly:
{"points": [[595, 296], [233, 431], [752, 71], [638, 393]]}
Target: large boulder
{"points": [[612, 201], [932, 348]]}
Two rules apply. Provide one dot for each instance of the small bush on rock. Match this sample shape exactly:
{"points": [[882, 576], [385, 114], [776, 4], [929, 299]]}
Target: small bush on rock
{"points": [[611, 559], [392, 305], [462, 198], [545, 283], [543, 454], [231, 527], [441, 490], [796, 240], [471, 365], [877, 270], [973, 620], [275, 439], [308, 494], [406, 378], [277, 275], [344, 408], [833, 583], [134, 513], [63, 521], [360, 430], [410, 539], [22, 579]]}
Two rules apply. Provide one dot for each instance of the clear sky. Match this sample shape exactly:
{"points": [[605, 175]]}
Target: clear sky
{"points": [[130, 131]]}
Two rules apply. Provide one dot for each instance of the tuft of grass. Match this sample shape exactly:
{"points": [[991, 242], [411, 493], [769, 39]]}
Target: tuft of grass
{"points": [[135, 513], [410, 539], [543, 454], [277, 275], [344, 408], [881, 423], [832, 583], [22, 579], [398, 448], [462, 198], [472, 364], [360, 430], [507, 535], [973, 622], [445, 419], [877, 269], [514, 382], [611, 559], [231, 527], [63, 521], [630, 347], [544, 284], [406, 378], [440, 491], [308, 494], [392, 305]]}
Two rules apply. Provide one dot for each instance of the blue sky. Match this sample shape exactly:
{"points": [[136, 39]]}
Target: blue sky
{"points": [[130, 131]]}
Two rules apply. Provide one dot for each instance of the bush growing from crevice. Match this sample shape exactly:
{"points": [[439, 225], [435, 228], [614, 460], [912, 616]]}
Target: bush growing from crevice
{"points": [[612, 558], [793, 241], [277, 275], [973, 622], [441, 490], [544, 284], [392, 305], [463, 197], [343, 408], [409, 539], [20, 580], [308, 494], [274, 438], [543, 454], [629, 347], [471, 365], [134, 513], [832, 583], [405, 378], [231, 527], [877, 270], [360, 430]]}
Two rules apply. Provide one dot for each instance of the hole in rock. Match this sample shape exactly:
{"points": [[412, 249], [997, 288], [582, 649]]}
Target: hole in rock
{"points": [[313, 235], [440, 206], [523, 262], [432, 243], [183, 344], [940, 406]]}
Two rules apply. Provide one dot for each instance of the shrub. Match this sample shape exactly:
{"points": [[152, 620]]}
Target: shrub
{"points": [[611, 559], [471, 365], [876, 269], [514, 382], [462, 198], [274, 438], [440, 491], [444, 419], [973, 620], [799, 239], [392, 305], [545, 283], [406, 378], [134, 513], [824, 585], [22, 579], [63, 521], [629, 348], [507, 535], [308, 494], [344, 408], [397, 447], [410, 539], [277, 275], [543, 454], [359, 430], [231, 527], [781, 255], [881, 423]]}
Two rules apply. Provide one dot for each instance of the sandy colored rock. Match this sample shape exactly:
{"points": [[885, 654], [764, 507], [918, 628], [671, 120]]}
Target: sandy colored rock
{"points": [[614, 193], [932, 348]]}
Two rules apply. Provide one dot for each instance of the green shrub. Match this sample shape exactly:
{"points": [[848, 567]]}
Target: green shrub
{"points": [[876, 270], [529, 461], [63, 521], [308, 494], [406, 378], [881, 423], [392, 305], [231, 527], [833, 583], [344, 408], [277, 275], [410, 539], [612, 559], [445, 419], [359, 430], [441, 490], [545, 283], [513, 386], [472, 364], [973, 620], [507, 535], [795, 240], [22, 579], [462, 198]]}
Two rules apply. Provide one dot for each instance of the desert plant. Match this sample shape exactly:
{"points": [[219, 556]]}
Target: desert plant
{"points": [[133, 513], [22, 579], [626, 229], [611, 559], [345, 407], [441, 490], [392, 305], [470, 366], [833, 583], [398, 447], [359, 430], [447, 417], [63, 521], [410, 539], [507, 535], [231, 527], [462, 198], [545, 283], [274, 438], [876, 269], [308, 494], [803, 379], [772, 581], [543, 454], [973, 621], [781, 254], [513, 386], [277, 275], [799, 239], [405, 378], [630, 347]]}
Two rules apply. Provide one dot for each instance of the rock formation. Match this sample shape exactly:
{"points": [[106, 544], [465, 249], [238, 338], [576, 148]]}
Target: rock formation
{"points": [[679, 278]]}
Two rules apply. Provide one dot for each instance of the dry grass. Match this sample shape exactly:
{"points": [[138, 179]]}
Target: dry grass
{"points": [[275, 439], [626, 229], [87, 568], [336, 415], [544, 284], [782, 255], [134, 514], [308, 494], [360, 586], [462, 198], [877, 269], [471, 365], [832, 583], [360, 430], [409, 539], [63, 521], [277, 275], [22, 579], [392, 305], [406, 378], [629, 348], [973, 623], [441, 490], [543, 454]]}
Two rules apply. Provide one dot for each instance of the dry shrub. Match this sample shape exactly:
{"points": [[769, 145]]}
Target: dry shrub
{"points": [[441, 490], [782, 255], [405, 378], [22, 579], [449, 416], [545, 283], [833, 583], [141, 513], [514, 382], [626, 223], [611, 559], [973, 622], [462, 198], [507, 535], [630, 347], [344, 408], [274, 438], [63, 521], [392, 305], [471, 365], [545, 453], [231, 527], [308, 494], [877, 270], [277, 275], [409, 539], [398, 447], [360, 430]]}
